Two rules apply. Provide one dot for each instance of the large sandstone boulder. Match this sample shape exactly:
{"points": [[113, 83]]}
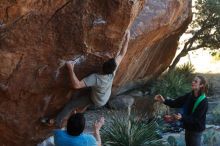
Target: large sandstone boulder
{"points": [[37, 36]]}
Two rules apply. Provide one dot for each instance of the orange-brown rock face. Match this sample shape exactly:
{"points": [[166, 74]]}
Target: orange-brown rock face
{"points": [[38, 36]]}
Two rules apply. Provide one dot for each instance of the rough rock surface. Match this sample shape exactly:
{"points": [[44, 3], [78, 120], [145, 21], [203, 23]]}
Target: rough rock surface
{"points": [[37, 36]]}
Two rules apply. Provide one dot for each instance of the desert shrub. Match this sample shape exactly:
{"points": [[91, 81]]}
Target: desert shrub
{"points": [[216, 114], [175, 82], [211, 138], [171, 84], [157, 143], [122, 130], [186, 70], [210, 88]]}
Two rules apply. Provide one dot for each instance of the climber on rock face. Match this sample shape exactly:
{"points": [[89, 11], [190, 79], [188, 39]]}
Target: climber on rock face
{"points": [[100, 84]]}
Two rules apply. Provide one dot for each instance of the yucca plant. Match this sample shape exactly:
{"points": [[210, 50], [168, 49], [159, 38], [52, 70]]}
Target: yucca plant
{"points": [[122, 130], [171, 84], [186, 69]]}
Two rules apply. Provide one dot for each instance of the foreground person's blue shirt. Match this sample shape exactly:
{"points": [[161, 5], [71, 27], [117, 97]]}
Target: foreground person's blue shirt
{"points": [[61, 138]]}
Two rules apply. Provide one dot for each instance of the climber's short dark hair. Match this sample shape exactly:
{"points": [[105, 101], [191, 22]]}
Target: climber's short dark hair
{"points": [[109, 66], [76, 124]]}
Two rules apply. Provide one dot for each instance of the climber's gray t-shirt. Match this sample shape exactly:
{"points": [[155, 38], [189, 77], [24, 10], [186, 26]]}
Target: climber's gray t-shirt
{"points": [[101, 87]]}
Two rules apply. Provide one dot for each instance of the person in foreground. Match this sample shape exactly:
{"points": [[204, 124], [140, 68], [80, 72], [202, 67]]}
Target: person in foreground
{"points": [[195, 106], [74, 136]]}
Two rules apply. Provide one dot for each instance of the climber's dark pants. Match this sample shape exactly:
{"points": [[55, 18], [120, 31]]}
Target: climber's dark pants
{"points": [[193, 138], [81, 101]]}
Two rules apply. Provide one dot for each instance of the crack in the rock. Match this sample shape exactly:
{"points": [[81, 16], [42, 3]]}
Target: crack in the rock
{"points": [[57, 10], [16, 68], [5, 30], [40, 71]]}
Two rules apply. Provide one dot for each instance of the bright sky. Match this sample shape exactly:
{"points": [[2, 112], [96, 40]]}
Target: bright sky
{"points": [[202, 61]]}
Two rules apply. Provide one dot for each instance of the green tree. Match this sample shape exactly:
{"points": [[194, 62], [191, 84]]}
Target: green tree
{"points": [[204, 29]]}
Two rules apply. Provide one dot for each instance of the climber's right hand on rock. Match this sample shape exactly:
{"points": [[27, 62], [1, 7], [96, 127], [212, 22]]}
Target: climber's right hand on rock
{"points": [[70, 64]]}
